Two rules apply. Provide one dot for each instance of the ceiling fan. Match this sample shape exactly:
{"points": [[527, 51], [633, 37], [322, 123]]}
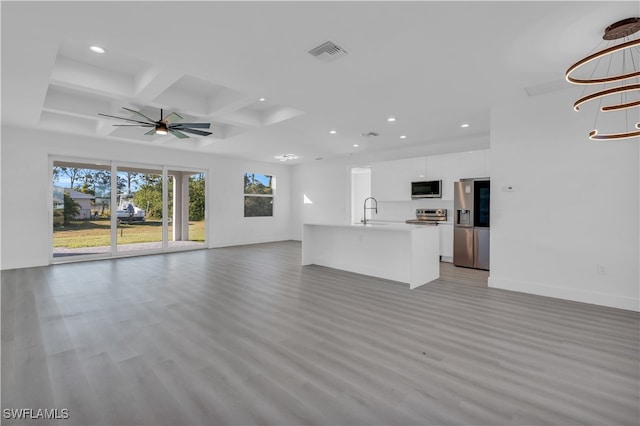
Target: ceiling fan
{"points": [[165, 124]]}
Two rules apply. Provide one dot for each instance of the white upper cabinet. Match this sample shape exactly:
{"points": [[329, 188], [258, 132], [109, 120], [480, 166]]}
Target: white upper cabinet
{"points": [[462, 165], [470, 164], [434, 167], [391, 180]]}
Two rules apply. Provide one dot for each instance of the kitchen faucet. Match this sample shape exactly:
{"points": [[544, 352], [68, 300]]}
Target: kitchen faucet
{"points": [[364, 215]]}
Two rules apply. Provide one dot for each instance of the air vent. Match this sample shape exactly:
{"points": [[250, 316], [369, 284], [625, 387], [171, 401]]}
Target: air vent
{"points": [[328, 51], [370, 134]]}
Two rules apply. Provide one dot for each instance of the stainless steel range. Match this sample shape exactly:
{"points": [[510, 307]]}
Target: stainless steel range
{"points": [[429, 216]]}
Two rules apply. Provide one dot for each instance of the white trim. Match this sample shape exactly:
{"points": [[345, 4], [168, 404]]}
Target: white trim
{"points": [[566, 293], [165, 207], [50, 208], [113, 207]]}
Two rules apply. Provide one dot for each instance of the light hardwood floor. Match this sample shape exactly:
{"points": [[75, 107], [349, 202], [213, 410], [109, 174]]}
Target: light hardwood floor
{"points": [[245, 335]]}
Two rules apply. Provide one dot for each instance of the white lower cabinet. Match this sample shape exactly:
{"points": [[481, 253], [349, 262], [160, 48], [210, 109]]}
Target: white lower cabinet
{"points": [[446, 242]]}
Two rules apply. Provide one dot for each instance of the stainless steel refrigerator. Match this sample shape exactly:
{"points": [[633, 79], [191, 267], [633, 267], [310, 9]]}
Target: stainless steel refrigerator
{"points": [[471, 202]]}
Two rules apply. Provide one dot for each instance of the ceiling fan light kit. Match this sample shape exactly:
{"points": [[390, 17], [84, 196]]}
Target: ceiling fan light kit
{"points": [[169, 124], [628, 59]]}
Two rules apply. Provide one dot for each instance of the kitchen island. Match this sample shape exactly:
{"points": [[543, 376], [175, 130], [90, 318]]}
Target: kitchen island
{"points": [[394, 251]]}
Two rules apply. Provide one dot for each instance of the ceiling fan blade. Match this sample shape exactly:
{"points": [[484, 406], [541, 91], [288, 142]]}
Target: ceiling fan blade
{"points": [[195, 132], [178, 134], [134, 125], [194, 125], [151, 132], [126, 119], [174, 116], [140, 114]]}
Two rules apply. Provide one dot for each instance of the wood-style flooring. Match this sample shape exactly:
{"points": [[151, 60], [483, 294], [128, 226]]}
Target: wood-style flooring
{"points": [[246, 336]]}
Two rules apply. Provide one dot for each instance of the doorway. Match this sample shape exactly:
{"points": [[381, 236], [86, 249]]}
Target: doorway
{"points": [[360, 190]]}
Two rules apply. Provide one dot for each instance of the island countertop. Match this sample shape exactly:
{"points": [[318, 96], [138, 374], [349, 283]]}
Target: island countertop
{"points": [[395, 251], [383, 226]]}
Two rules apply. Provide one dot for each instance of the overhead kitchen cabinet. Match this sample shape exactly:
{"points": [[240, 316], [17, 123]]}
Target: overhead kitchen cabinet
{"points": [[391, 180], [434, 167], [462, 165]]}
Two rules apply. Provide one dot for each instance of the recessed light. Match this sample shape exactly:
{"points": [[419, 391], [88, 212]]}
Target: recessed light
{"points": [[403, 136], [464, 125], [420, 175], [391, 119], [333, 132], [262, 99], [355, 145], [97, 49]]}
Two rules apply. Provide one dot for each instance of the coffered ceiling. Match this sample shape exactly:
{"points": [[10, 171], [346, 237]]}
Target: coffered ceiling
{"points": [[431, 65]]}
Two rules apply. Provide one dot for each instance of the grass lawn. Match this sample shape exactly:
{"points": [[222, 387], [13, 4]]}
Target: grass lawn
{"points": [[95, 233]]}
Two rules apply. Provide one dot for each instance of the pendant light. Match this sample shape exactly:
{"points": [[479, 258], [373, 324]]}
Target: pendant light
{"points": [[616, 68]]}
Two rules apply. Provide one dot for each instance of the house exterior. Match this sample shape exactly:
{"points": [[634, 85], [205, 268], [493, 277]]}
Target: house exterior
{"points": [[85, 201]]}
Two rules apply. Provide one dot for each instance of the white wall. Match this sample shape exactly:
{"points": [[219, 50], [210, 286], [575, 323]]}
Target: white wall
{"points": [[327, 185], [575, 205], [25, 185]]}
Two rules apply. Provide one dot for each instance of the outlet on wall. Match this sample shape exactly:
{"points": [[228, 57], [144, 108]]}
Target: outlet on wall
{"points": [[601, 269]]}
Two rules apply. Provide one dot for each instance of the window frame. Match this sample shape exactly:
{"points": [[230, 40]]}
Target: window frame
{"points": [[115, 166], [272, 196]]}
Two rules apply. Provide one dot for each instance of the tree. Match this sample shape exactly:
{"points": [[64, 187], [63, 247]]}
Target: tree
{"points": [[72, 173], [56, 174], [258, 206], [131, 178], [86, 189], [71, 208], [149, 198], [196, 197]]}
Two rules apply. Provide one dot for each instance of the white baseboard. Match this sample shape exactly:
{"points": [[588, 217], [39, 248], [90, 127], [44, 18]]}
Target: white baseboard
{"points": [[566, 293]]}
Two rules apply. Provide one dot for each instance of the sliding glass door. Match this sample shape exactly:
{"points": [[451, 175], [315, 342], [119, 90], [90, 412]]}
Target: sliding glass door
{"points": [[81, 208], [140, 209], [102, 209], [186, 210]]}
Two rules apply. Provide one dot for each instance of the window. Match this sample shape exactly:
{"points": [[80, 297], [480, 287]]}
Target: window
{"points": [[107, 208], [81, 208], [258, 195]]}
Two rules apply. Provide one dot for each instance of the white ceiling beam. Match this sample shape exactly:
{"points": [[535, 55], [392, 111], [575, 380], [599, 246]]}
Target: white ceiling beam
{"points": [[153, 81]]}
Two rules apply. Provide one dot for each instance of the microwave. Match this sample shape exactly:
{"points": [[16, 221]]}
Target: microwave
{"points": [[426, 189]]}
